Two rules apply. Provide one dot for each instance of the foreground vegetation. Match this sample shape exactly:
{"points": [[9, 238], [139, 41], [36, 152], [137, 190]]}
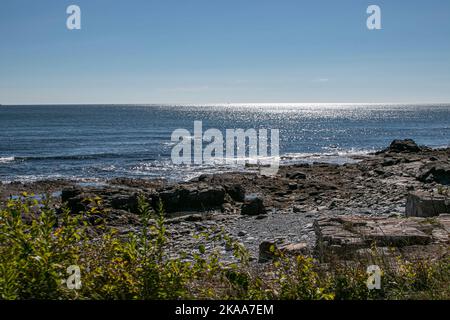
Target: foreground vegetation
{"points": [[38, 243]]}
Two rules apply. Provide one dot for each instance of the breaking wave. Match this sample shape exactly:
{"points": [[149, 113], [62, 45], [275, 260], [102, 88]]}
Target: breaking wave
{"points": [[6, 159]]}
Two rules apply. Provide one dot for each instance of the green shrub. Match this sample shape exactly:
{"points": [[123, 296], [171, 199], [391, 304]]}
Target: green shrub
{"points": [[39, 241]]}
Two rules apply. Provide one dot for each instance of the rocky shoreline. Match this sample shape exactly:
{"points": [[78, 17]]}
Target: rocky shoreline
{"points": [[397, 197]]}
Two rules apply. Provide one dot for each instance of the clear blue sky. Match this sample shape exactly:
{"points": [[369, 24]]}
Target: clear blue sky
{"points": [[200, 51]]}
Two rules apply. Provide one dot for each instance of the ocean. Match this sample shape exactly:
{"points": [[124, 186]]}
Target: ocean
{"points": [[96, 142]]}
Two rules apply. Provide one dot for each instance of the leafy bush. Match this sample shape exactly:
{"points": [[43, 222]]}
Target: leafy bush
{"points": [[39, 241]]}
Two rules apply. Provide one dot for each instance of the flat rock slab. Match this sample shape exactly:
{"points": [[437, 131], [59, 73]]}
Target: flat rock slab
{"points": [[346, 234]]}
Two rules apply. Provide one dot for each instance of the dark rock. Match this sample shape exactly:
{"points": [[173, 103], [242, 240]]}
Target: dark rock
{"points": [[302, 165], [296, 175], [77, 198], [390, 162], [407, 145], [292, 186], [212, 197], [236, 192], [203, 177], [435, 172], [125, 202], [253, 206], [69, 193], [421, 204], [95, 219], [191, 198]]}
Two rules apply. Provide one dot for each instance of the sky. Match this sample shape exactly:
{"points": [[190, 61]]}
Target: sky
{"points": [[224, 51]]}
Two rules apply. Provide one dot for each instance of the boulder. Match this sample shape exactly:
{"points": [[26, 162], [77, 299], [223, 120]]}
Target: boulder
{"points": [[236, 192], [191, 198], [438, 171], [69, 193], [76, 199], [127, 202], [253, 205], [407, 145], [212, 197], [111, 197], [422, 204]]}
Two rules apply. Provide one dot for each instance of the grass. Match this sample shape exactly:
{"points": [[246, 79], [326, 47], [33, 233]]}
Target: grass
{"points": [[39, 242]]}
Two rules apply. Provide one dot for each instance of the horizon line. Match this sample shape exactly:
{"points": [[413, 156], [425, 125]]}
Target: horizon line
{"points": [[220, 103]]}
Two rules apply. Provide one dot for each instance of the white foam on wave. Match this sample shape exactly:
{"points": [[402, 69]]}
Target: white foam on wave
{"points": [[166, 169], [7, 159], [41, 177], [331, 155], [32, 178]]}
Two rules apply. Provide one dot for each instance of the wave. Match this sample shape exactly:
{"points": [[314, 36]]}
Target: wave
{"points": [[164, 168], [27, 178], [72, 157], [7, 159], [331, 155]]}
